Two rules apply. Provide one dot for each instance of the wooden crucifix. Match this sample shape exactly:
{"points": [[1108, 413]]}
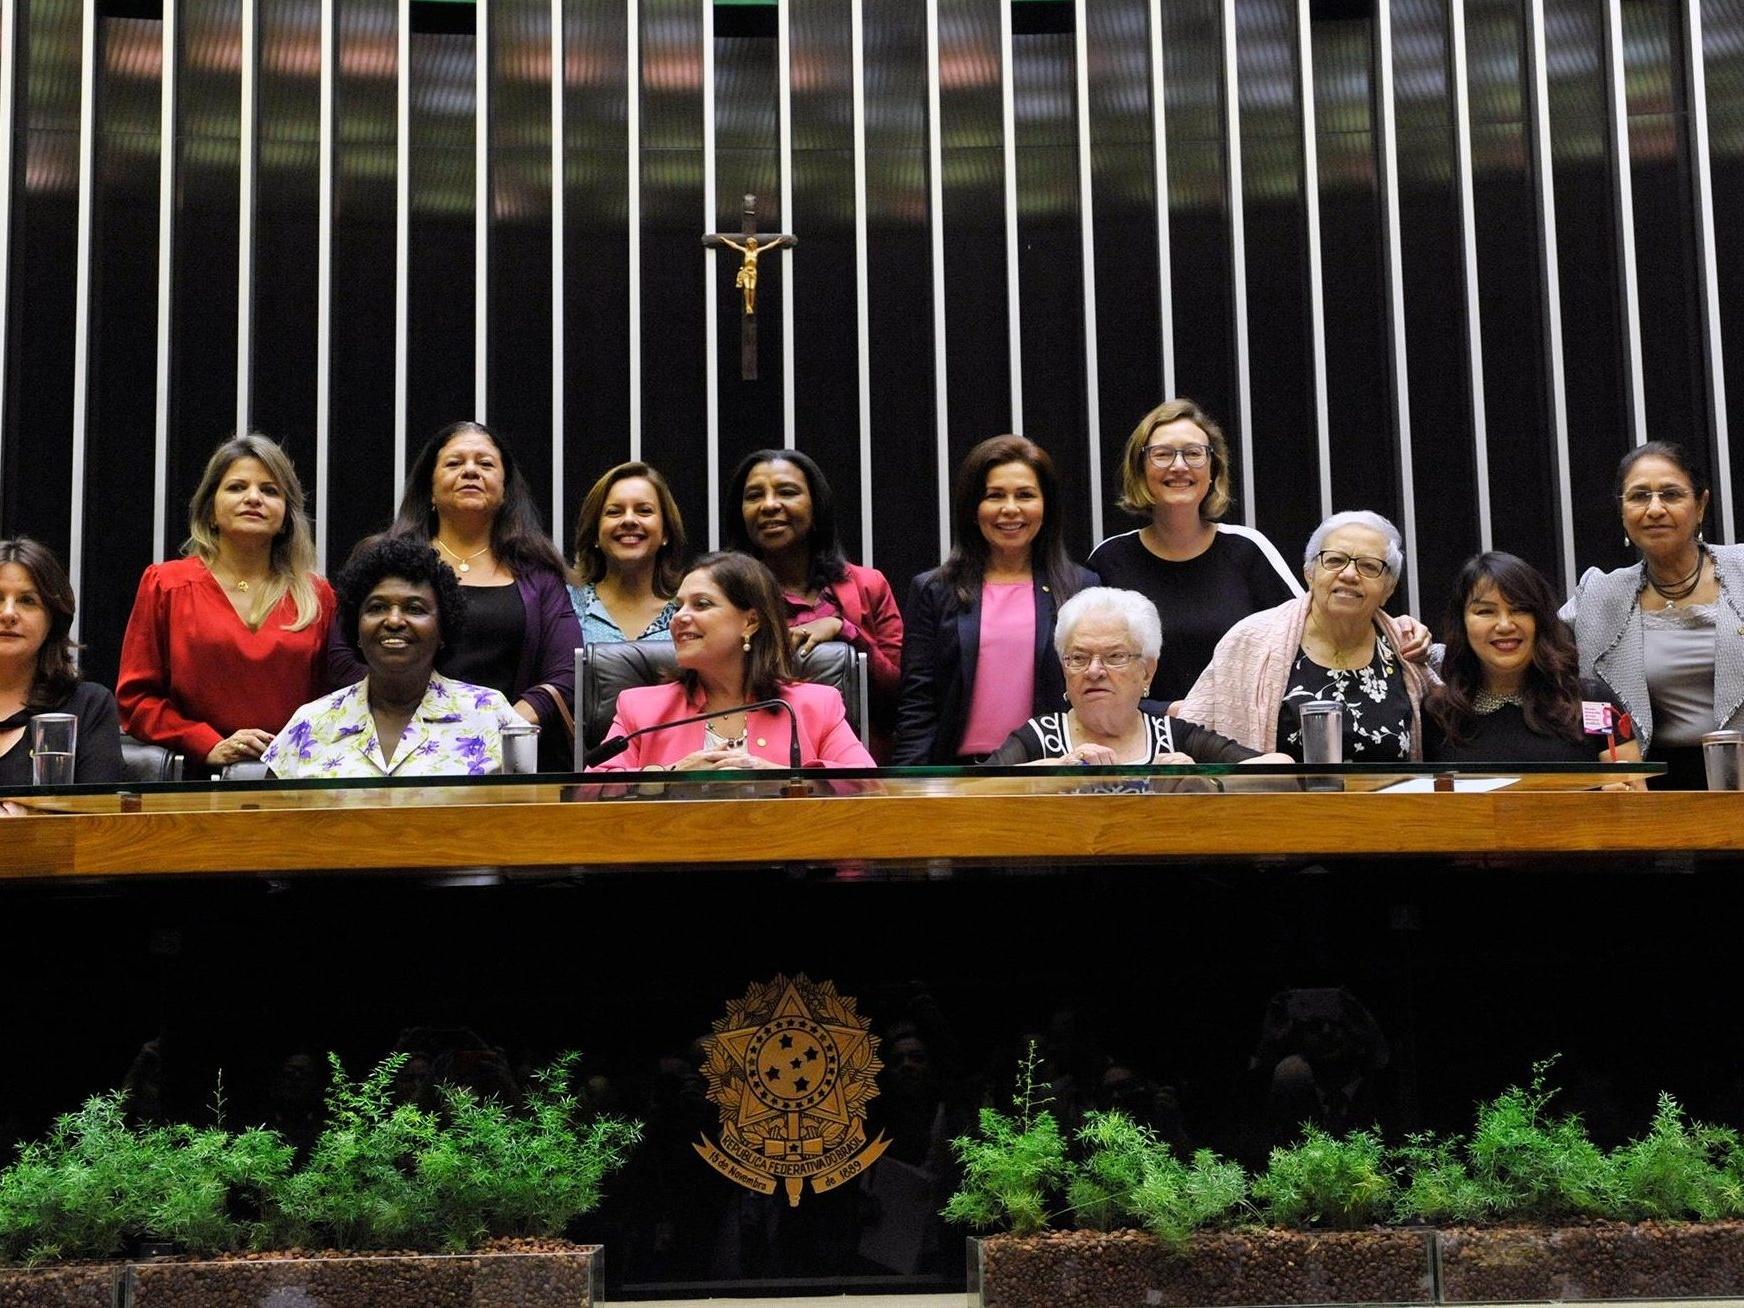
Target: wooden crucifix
{"points": [[751, 245]]}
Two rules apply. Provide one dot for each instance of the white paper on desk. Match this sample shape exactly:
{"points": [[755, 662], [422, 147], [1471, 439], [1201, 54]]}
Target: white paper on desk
{"points": [[1426, 785]]}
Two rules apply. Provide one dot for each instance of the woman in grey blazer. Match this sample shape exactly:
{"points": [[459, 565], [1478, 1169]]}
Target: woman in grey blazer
{"points": [[1667, 632]]}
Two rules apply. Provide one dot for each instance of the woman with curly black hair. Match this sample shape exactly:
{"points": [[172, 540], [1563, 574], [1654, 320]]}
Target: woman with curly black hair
{"points": [[399, 604], [1511, 687]]}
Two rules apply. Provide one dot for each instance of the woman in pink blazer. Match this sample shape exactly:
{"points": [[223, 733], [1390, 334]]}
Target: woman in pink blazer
{"points": [[730, 638]]}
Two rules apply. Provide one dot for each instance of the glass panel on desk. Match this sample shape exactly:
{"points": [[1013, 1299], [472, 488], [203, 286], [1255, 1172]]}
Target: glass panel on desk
{"points": [[846, 783]]}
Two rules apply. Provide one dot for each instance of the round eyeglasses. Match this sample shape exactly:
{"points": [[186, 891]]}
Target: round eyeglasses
{"points": [[1366, 564], [1114, 660], [1163, 456]]}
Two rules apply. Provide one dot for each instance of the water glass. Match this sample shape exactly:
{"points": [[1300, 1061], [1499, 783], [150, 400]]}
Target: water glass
{"points": [[1322, 730], [54, 739], [1723, 757], [521, 748]]}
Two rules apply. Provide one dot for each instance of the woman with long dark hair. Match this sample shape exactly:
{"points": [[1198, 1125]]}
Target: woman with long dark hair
{"points": [[780, 509], [978, 658], [1511, 689], [466, 498]]}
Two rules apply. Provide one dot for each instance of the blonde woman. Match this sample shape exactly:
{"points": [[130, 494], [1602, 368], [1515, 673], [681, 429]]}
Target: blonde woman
{"points": [[226, 642]]}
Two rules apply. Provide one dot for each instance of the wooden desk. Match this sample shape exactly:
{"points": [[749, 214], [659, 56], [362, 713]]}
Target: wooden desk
{"points": [[565, 829]]}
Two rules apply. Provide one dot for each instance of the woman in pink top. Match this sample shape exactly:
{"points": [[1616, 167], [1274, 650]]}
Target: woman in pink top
{"points": [[730, 638], [988, 608]]}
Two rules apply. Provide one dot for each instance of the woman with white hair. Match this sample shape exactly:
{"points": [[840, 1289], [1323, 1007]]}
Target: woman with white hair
{"points": [[1108, 641], [1335, 642]]}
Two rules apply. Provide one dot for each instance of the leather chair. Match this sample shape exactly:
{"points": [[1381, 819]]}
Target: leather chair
{"points": [[604, 668], [142, 763]]}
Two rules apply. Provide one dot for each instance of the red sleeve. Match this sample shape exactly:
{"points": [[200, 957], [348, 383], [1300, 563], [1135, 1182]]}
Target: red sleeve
{"points": [[143, 690]]}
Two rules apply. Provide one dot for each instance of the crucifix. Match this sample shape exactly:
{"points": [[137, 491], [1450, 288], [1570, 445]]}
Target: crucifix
{"points": [[751, 245]]}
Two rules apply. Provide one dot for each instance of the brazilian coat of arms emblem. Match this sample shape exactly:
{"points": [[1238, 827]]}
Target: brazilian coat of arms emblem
{"points": [[791, 1068]]}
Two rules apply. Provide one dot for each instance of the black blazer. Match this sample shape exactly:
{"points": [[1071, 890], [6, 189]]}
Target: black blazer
{"points": [[940, 643]]}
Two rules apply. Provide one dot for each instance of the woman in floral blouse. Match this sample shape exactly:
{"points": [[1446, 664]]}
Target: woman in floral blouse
{"points": [[398, 605], [1333, 643]]}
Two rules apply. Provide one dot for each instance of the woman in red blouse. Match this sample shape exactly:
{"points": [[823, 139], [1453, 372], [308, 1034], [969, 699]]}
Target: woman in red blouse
{"points": [[225, 643]]}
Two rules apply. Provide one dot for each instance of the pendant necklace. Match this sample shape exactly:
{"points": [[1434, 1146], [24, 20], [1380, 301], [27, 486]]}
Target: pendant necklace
{"points": [[461, 565], [1673, 591], [240, 583]]}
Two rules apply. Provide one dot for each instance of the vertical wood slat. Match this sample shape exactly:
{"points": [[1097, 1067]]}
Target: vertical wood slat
{"points": [[1623, 208], [1087, 253], [1550, 287], [711, 302], [1462, 159], [324, 278], [559, 78], [248, 142], [791, 271], [633, 143], [402, 239], [166, 260], [936, 239], [1393, 274], [1238, 258], [82, 299], [8, 102], [481, 216], [1702, 176], [1013, 272], [1316, 263], [862, 288], [1160, 156]]}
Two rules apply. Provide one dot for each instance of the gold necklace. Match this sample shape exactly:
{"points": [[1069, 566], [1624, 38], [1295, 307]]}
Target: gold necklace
{"points": [[240, 583], [1338, 655], [461, 565]]}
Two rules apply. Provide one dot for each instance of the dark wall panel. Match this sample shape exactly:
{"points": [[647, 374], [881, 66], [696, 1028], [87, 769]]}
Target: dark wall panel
{"points": [[362, 494], [122, 413], [904, 416], [596, 269], [674, 413], [40, 308], [519, 342], [826, 308]]}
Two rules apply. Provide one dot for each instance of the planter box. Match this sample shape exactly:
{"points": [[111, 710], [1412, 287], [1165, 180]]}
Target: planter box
{"points": [[557, 1279], [86, 1285], [1603, 1260], [1132, 1269]]}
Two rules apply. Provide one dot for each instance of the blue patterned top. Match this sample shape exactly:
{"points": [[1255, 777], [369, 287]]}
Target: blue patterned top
{"points": [[597, 623], [456, 731]]}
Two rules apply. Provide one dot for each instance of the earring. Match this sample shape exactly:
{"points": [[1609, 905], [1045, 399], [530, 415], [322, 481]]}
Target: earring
{"points": [[747, 645]]}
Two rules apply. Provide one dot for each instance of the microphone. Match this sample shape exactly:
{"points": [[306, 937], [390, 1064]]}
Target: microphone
{"points": [[608, 749]]}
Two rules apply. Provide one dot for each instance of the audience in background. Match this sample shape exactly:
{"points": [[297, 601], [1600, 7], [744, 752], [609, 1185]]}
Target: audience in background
{"points": [[225, 643]]}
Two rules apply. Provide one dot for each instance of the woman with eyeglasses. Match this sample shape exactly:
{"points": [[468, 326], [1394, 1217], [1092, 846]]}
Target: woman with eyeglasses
{"points": [[1204, 575], [1336, 642], [1667, 632], [1107, 641]]}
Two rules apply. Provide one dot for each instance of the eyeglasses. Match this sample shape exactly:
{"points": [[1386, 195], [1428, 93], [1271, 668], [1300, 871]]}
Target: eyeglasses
{"points": [[1366, 565], [1670, 496], [1114, 660], [1162, 456]]}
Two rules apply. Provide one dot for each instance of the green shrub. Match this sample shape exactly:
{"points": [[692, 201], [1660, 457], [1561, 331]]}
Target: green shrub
{"points": [[1536, 1167], [1327, 1181], [1679, 1169], [1438, 1187], [1015, 1168], [1131, 1177]]}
